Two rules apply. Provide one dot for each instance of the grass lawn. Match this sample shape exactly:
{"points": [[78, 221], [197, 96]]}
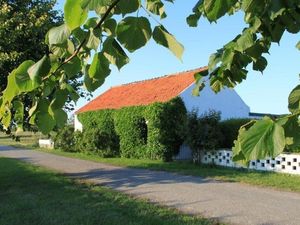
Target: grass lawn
{"points": [[32, 195], [266, 179], [27, 139]]}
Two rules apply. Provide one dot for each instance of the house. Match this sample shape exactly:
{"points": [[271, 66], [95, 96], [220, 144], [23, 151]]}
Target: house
{"points": [[163, 89]]}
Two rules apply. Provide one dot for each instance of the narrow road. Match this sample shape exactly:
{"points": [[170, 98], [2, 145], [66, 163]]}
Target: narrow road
{"points": [[231, 203]]}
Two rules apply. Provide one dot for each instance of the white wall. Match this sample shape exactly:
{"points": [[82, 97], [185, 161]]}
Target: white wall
{"points": [[77, 124], [284, 163], [227, 101]]}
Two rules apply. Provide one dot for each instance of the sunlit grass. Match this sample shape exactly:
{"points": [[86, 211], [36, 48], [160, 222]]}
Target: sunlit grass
{"points": [[30, 195]]}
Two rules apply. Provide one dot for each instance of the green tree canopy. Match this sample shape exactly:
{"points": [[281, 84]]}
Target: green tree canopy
{"points": [[118, 29], [23, 25]]}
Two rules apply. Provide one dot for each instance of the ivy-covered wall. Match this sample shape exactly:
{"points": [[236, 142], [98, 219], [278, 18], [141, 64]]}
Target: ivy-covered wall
{"points": [[155, 131], [104, 121]]}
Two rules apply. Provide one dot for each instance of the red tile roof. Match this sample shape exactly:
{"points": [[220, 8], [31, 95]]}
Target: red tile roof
{"points": [[161, 89]]}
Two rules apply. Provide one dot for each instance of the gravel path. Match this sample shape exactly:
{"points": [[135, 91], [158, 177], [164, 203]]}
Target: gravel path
{"points": [[231, 203]]}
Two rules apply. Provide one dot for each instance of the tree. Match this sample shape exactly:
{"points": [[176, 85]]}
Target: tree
{"points": [[23, 26], [108, 37]]}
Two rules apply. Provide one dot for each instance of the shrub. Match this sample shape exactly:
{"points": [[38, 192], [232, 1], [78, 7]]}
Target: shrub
{"points": [[129, 127], [96, 141], [230, 129], [155, 131], [97, 122], [203, 133], [64, 139], [169, 125]]}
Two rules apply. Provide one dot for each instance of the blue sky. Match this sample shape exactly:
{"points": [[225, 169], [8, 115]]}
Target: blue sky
{"points": [[267, 92]]}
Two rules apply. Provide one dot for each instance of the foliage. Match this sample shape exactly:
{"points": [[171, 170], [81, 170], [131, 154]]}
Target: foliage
{"points": [[64, 139], [129, 128], [155, 131], [23, 26], [47, 82], [266, 21], [203, 132], [230, 130], [96, 141], [99, 123]]}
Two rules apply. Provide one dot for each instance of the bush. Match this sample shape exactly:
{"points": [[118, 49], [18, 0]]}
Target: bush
{"points": [[155, 131], [99, 123], [129, 127], [96, 141], [230, 129], [64, 139], [203, 133]]}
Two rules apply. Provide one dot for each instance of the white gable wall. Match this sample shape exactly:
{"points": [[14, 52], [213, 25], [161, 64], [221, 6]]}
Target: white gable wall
{"points": [[227, 101], [77, 124]]}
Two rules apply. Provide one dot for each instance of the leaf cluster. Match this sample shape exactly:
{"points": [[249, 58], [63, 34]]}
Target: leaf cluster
{"points": [[83, 48], [267, 21]]}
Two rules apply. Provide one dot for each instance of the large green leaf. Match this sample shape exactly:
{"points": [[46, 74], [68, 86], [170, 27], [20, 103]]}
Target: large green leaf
{"points": [[199, 83], [110, 26], [91, 84], [99, 68], [60, 117], [294, 100], [6, 117], [73, 67], [260, 64], [59, 100], [292, 132], [11, 89], [19, 115], [93, 40], [264, 139], [156, 7], [245, 41], [164, 38], [40, 69], [75, 15], [215, 9], [99, 6], [192, 20], [45, 122], [114, 53], [134, 32], [24, 82], [128, 6], [58, 35]]}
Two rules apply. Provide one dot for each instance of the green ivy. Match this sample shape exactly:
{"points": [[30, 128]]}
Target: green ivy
{"points": [[155, 131], [103, 122]]}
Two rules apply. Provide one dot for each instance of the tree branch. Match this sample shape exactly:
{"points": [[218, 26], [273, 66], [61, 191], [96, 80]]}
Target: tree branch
{"points": [[110, 8]]}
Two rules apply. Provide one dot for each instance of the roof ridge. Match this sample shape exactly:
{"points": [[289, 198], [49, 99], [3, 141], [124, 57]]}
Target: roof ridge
{"points": [[155, 78]]}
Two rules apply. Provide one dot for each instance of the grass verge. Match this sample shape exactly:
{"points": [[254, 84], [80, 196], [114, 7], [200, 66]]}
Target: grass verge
{"points": [[32, 195]]}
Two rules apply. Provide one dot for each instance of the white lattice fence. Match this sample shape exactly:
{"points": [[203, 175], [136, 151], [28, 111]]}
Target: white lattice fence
{"points": [[285, 163]]}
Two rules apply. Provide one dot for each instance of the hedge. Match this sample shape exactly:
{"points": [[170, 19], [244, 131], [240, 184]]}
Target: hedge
{"points": [[230, 129], [96, 122], [204, 131], [155, 131]]}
